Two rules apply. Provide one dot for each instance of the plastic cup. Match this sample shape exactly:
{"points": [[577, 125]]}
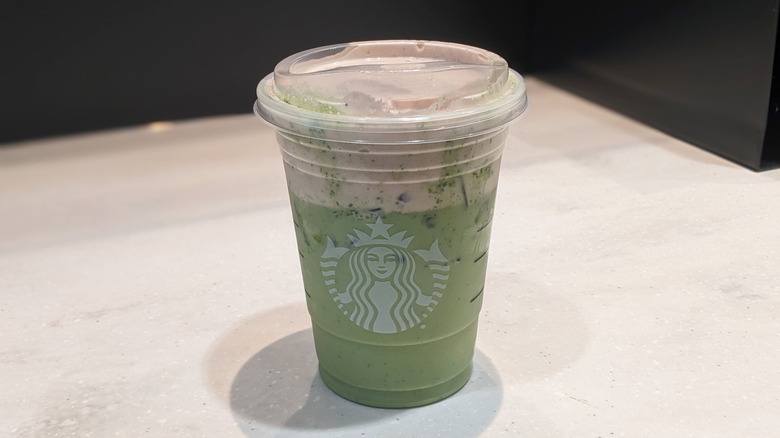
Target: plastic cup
{"points": [[391, 152]]}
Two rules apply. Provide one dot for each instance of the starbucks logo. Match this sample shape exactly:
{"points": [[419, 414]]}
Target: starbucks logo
{"points": [[382, 293]]}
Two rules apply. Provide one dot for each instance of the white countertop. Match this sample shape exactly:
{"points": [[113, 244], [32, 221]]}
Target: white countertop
{"points": [[150, 287]]}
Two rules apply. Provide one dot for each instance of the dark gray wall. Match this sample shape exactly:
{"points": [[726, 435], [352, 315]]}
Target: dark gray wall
{"points": [[83, 65]]}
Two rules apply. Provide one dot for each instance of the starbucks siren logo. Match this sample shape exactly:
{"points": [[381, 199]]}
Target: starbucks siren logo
{"points": [[382, 294]]}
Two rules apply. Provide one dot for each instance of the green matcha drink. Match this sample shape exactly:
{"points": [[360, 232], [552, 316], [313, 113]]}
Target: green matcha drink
{"points": [[392, 152], [394, 296]]}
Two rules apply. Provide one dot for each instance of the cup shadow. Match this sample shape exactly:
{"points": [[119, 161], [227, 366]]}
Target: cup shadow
{"points": [[277, 391]]}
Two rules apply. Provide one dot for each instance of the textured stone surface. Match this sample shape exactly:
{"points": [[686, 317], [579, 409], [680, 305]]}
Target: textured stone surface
{"points": [[150, 286]]}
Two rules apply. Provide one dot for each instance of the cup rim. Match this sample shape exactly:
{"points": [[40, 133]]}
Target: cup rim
{"points": [[511, 103]]}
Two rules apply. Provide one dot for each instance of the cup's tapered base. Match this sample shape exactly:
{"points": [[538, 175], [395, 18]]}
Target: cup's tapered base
{"points": [[397, 399]]}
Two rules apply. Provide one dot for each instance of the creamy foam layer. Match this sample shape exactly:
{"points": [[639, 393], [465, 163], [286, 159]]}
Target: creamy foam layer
{"points": [[348, 175], [398, 125]]}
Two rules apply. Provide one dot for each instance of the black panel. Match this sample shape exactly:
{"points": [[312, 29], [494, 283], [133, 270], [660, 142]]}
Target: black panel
{"points": [[699, 70]]}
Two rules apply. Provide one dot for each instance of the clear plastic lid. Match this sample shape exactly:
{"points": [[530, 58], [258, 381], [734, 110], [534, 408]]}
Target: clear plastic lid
{"points": [[419, 89]]}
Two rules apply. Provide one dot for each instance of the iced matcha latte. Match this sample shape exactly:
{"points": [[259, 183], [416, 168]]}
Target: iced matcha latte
{"points": [[392, 152]]}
